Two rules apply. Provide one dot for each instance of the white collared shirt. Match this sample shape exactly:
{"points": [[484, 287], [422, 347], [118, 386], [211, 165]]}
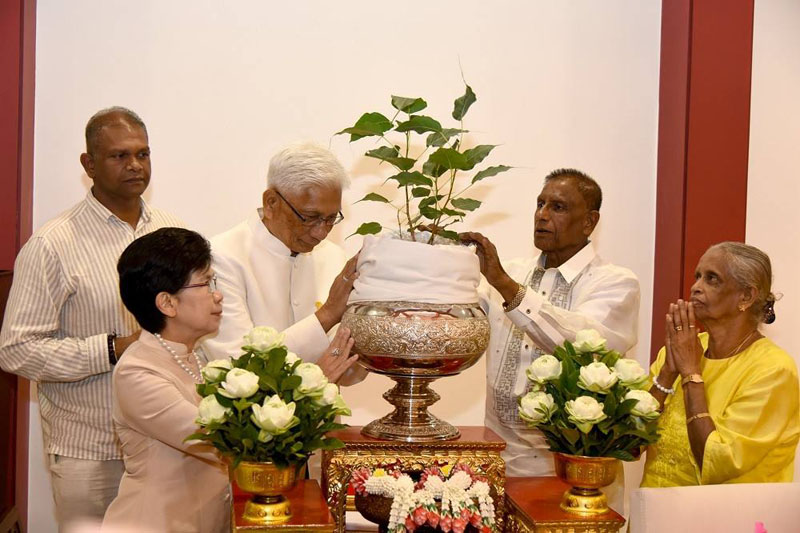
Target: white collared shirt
{"points": [[64, 302], [594, 295], [264, 285]]}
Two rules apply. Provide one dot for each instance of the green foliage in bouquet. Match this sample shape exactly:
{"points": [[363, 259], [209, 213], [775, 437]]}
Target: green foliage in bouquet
{"points": [[428, 184], [589, 400], [267, 405]]}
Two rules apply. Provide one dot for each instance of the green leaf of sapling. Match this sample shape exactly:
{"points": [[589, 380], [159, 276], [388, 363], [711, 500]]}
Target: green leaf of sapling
{"points": [[463, 103], [368, 228], [369, 124], [391, 155], [411, 178], [419, 124], [408, 105], [439, 138], [449, 159], [489, 172], [477, 154], [374, 197], [467, 204]]}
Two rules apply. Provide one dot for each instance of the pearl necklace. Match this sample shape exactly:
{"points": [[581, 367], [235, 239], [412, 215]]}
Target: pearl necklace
{"points": [[175, 356]]}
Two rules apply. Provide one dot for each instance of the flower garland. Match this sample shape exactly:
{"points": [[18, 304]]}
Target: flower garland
{"points": [[464, 498]]}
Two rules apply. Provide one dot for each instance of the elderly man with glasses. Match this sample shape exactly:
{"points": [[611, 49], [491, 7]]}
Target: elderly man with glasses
{"points": [[277, 268]]}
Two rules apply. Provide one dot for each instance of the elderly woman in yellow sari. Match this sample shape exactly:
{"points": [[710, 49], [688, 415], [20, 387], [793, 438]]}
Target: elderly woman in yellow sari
{"points": [[729, 395]]}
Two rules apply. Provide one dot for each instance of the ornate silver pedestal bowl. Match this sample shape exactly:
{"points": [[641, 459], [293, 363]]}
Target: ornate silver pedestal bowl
{"points": [[414, 344]]}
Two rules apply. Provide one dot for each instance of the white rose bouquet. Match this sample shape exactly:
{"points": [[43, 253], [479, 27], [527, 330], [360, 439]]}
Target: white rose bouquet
{"points": [[589, 400], [267, 404]]}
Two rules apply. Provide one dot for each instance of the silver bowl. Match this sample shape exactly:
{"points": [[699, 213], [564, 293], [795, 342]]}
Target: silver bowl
{"points": [[415, 343]]}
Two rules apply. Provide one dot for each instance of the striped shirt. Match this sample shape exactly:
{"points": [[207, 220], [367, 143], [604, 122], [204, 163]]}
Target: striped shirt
{"points": [[64, 302]]}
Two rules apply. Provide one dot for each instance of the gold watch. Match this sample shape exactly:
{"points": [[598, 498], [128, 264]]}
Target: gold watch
{"points": [[692, 378]]}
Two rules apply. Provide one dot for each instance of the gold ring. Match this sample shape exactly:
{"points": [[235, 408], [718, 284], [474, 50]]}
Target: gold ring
{"points": [[345, 278], [691, 326], [678, 328], [335, 352]]}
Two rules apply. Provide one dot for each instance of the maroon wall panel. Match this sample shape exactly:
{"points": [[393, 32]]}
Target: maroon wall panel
{"points": [[703, 136]]}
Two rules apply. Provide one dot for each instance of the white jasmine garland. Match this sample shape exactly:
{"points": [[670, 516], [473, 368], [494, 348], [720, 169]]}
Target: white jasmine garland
{"points": [[460, 481], [531, 405], [210, 410], [584, 412], [480, 491], [239, 383], [435, 485], [589, 341], [264, 338], [646, 406], [380, 485], [631, 374], [215, 370], [544, 368], [402, 504], [597, 377]]}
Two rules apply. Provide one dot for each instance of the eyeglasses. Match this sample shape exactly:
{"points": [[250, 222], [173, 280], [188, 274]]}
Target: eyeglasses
{"points": [[313, 221], [211, 284]]}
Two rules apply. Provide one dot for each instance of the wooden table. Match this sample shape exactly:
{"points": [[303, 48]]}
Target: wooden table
{"points": [[309, 512], [478, 447], [532, 506]]}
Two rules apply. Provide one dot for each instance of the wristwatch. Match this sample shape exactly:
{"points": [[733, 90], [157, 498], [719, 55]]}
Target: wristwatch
{"points": [[112, 354], [516, 300], [692, 378]]}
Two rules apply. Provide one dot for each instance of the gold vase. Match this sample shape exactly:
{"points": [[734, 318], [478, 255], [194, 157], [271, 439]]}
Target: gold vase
{"points": [[586, 475], [267, 483]]}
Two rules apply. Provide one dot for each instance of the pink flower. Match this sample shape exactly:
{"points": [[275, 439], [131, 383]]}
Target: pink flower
{"points": [[430, 471], [358, 479], [459, 525], [475, 520], [420, 516], [410, 525], [433, 519], [760, 528], [446, 524]]}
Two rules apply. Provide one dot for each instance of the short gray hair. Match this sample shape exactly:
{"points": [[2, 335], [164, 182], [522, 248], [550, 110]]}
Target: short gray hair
{"points": [[101, 118], [302, 165], [751, 267]]}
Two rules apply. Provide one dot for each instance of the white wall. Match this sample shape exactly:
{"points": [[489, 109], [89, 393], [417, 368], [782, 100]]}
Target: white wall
{"points": [[773, 187], [223, 85]]}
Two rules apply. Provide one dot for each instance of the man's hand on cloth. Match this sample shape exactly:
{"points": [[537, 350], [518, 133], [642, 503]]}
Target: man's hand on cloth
{"points": [[491, 268], [330, 313]]}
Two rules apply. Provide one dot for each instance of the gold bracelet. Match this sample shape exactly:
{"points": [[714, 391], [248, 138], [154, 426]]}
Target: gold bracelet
{"points": [[695, 417], [516, 300], [692, 378]]}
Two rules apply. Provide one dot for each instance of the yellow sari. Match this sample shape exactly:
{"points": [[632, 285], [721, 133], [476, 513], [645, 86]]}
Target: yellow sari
{"points": [[754, 399]]}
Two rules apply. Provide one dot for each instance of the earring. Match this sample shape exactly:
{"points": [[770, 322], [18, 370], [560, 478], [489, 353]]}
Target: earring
{"points": [[742, 308]]}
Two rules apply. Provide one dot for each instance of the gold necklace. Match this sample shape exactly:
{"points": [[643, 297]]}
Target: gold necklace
{"points": [[736, 350]]}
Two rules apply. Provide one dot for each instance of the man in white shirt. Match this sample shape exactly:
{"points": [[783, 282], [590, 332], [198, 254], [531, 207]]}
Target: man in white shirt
{"points": [[65, 326], [535, 304], [277, 268]]}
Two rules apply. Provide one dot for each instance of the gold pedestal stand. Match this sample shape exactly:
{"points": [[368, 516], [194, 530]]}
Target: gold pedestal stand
{"points": [[477, 447]]}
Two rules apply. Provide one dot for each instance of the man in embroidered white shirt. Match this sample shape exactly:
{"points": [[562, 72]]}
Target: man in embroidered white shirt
{"points": [[277, 268], [535, 304]]}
